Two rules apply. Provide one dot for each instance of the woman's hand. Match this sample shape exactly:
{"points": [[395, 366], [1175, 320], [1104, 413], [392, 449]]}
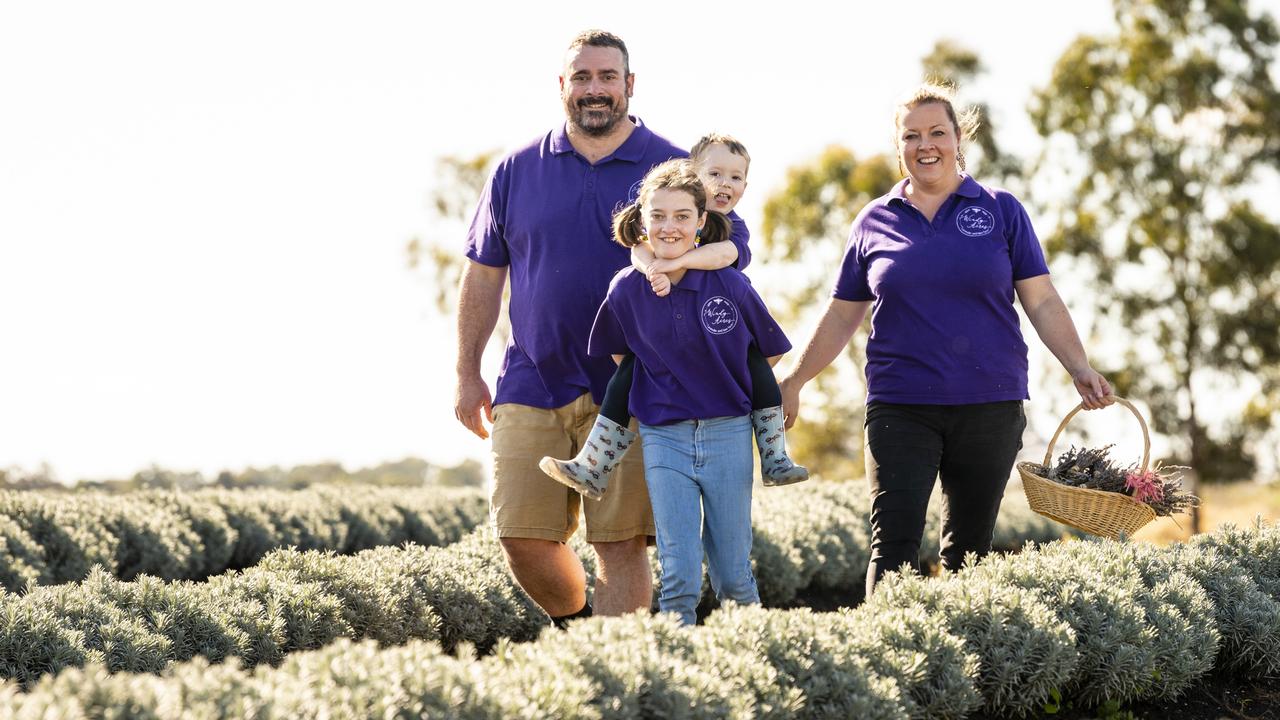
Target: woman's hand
{"points": [[1095, 391], [790, 388]]}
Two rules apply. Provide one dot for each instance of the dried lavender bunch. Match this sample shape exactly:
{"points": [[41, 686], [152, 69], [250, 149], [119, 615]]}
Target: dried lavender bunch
{"points": [[1160, 487]]}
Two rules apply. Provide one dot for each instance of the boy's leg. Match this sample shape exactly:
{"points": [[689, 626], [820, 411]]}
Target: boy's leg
{"points": [[903, 454], [776, 466], [722, 456], [677, 515], [982, 443], [588, 472]]}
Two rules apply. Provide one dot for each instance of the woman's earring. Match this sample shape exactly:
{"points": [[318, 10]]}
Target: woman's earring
{"points": [[960, 159]]}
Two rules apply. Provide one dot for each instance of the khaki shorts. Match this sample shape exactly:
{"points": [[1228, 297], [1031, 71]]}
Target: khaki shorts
{"points": [[527, 504]]}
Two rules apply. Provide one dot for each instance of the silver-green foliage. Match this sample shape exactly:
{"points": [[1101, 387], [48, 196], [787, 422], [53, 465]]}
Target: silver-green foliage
{"points": [[186, 536], [1135, 640], [1024, 650], [293, 601]]}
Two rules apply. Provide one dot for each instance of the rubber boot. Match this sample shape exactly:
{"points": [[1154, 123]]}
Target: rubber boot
{"points": [[776, 467], [589, 472]]}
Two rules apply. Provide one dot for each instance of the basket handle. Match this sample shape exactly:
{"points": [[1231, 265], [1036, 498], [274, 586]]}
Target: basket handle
{"points": [[1146, 437]]}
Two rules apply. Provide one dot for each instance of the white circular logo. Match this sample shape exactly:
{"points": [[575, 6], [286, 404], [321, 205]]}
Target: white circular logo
{"points": [[975, 221], [719, 316], [634, 193]]}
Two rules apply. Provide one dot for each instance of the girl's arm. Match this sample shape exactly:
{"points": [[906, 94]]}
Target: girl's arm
{"points": [[773, 361], [1049, 316], [833, 333]]}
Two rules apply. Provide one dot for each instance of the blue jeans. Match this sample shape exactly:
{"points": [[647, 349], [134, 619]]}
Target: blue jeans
{"points": [[699, 474]]}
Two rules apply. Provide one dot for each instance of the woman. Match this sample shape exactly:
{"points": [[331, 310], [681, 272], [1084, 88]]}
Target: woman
{"points": [[938, 261]]}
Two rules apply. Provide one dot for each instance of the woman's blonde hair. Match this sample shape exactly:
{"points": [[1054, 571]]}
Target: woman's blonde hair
{"points": [[965, 121], [681, 175]]}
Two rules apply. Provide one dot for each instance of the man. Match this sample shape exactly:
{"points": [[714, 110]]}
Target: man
{"points": [[545, 217]]}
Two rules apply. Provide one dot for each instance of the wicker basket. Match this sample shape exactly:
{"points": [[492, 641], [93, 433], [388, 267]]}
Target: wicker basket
{"points": [[1107, 514]]}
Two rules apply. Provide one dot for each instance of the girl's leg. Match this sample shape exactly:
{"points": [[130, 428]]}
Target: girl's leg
{"points": [[589, 471], [677, 515], [776, 467], [722, 468], [982, 443], [903, 454]]}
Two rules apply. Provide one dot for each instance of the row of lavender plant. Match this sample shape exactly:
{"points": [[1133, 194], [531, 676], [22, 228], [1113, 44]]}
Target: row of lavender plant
{"points": [[1008, 637], [54, 539], [807, 538]]}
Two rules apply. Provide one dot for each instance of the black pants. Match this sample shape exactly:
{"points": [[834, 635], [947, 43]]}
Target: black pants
{"points": [[972, 448], [765, 392]]}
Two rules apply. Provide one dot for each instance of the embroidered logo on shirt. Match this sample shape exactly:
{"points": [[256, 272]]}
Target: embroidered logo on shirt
{"points": [[634, 193], [975, 221], [719, 316]]}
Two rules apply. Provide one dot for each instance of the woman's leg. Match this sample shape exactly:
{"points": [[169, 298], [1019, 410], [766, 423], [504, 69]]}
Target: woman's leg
{"points": [[589, 471], [981, 445], [903, 454], [776, 466], [722, 467], [677, 515]]}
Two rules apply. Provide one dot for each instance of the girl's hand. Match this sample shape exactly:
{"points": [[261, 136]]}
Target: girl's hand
{"points": [[661, 284], [1095, 391]]}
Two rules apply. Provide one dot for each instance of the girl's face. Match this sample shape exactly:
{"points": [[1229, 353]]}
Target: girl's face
{"points": [[927, 144], [672, 222]]}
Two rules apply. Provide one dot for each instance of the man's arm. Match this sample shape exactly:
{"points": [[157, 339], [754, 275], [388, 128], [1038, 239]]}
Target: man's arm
{"points": [[479, 301]]}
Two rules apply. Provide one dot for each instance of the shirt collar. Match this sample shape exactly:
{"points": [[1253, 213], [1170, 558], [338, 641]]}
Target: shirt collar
{"points": [[631, 150], [969, 188], [693, 280]]}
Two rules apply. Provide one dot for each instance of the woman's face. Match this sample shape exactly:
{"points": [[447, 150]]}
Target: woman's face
{"points": [[927, 144], [672, 222]]}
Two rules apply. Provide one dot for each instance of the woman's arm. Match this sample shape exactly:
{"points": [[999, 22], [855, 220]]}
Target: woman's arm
{"points": [[834, 331], [1049, 316]]}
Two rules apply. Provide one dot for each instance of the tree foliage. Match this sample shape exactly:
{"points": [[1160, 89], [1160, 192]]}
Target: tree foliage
{"points": [[1157, 139]]}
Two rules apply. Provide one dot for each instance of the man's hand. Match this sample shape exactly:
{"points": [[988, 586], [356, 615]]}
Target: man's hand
{"points": [[471, 399]]}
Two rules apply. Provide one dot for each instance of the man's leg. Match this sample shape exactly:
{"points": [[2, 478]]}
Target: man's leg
{"points": [[624, 580], [533, 514], [549, 572]]}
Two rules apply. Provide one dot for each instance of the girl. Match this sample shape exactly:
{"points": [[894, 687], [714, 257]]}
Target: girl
{"points": [[722, 163], [692, 388]]}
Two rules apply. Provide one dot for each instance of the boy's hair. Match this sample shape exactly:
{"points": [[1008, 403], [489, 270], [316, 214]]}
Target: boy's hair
{"points": [[678, 174], [733, 144], [965, 122], [602, 38]]}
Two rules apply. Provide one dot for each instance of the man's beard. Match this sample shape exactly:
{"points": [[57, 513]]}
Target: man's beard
{"points": [[597, 121]]}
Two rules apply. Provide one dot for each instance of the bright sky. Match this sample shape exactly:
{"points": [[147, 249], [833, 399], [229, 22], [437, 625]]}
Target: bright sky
{"points": [[204, 207]]}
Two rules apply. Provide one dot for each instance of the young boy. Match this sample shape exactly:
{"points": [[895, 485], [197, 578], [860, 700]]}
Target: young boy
{"points": [[722, 163]]}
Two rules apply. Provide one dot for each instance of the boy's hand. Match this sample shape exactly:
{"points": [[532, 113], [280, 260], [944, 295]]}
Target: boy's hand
{"points": [[660, 283], [662, 266]]}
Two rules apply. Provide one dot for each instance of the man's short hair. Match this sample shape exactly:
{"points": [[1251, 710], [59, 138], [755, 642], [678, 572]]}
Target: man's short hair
{"points": [[602, 38]]}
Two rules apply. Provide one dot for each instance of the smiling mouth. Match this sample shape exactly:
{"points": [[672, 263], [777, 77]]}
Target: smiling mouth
{"points": [[929, 161]]}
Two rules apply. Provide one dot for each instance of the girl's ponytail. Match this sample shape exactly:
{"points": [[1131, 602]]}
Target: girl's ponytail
{"points": [[627, 230], [718, 228]]}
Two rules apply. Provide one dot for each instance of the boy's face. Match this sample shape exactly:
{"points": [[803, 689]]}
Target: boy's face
{"points": [[724, 174]]}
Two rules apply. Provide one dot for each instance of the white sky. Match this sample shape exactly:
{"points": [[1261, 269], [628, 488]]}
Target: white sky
{"points": [[204, 207]]}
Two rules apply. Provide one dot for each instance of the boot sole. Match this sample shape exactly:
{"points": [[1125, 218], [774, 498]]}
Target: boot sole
{"points": [[549, 466]]}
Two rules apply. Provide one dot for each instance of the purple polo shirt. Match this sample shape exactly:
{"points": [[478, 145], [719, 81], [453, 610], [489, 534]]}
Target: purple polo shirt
{"points": [[691, 345], [943, 327], [548, 214]]}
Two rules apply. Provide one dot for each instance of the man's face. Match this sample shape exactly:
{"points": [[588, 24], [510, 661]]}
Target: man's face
{"points": [[595, 88]]}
